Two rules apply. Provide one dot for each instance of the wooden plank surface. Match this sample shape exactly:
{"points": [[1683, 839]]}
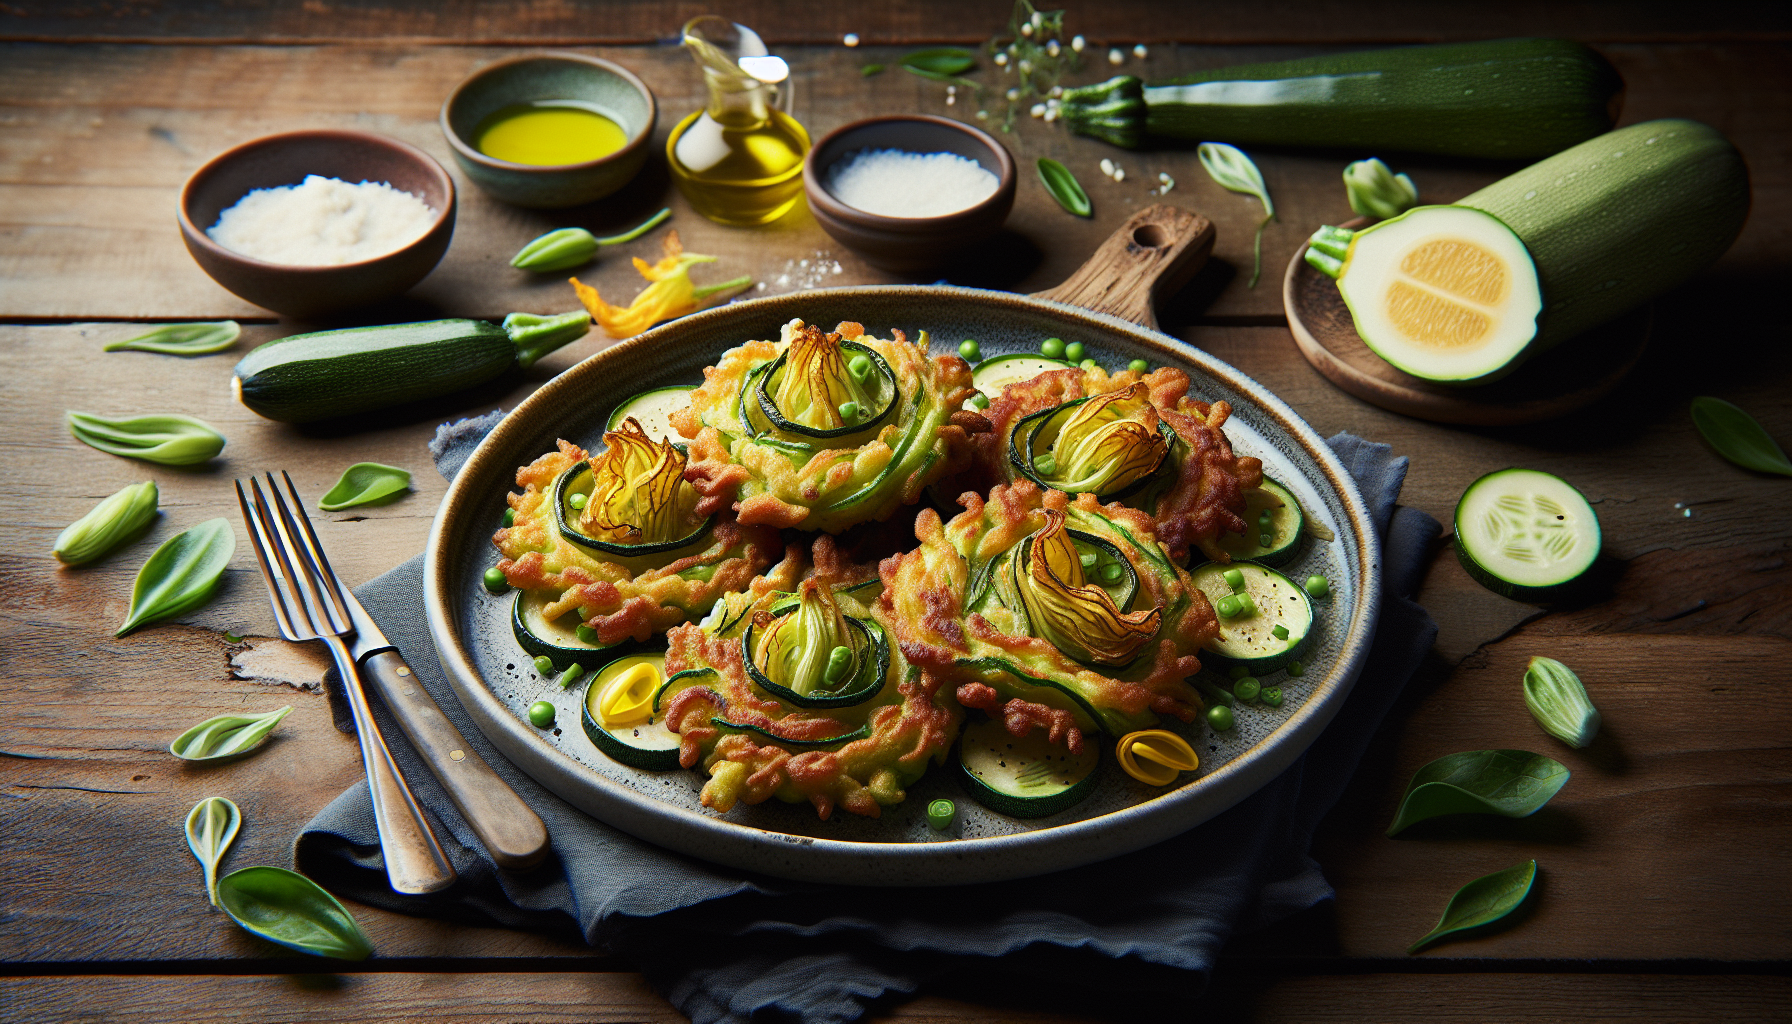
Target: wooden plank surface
{"points": [[562, 22], [99, 140]]}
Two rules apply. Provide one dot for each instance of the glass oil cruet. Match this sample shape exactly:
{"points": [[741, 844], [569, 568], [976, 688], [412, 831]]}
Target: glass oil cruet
{"points": [[739, 161]]}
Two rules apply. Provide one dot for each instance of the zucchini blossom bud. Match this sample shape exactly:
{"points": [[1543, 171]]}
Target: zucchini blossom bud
{"points": [[1559, 702], [1375, 191], [110, 522], [811, 650], [1077, 617], [1109, 443], [638, 491], [817, 381]]}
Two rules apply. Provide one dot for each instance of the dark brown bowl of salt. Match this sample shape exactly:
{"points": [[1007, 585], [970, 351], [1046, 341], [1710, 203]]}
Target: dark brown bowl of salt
{"points": [[909, 193]]}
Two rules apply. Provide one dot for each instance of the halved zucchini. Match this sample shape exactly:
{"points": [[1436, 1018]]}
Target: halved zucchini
{"points": [[768, 381], [641, 743], [1034, 435], [1526, 534], [1287, 526], [994, 374], [1025, 777], [653, 410], [1249, 639], [557, 640], [577, 480]]}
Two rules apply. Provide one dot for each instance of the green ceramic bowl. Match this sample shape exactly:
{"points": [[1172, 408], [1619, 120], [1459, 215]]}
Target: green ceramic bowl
{"points": [[611, 89]]}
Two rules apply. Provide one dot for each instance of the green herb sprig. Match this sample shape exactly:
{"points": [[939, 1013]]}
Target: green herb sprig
{"points": [[183, 339], [1064, 187], [109, 524], [211, 828], [1513, 783], [363, 484], [287, 908], [1035, 51], [1738, 437], [1234, 172], [226, 736], [181, 575], [1482, 901]]}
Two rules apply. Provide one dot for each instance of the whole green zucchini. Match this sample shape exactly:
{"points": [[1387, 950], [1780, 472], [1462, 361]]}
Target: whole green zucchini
{"points": [[328, 374], [1506, 99]]}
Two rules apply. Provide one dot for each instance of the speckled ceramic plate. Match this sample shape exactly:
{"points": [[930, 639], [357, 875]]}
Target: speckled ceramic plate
{"points": [[495, 681]]}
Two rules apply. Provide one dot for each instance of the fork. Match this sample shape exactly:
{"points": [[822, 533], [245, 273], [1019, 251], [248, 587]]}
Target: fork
{"points": [[307, 607]]}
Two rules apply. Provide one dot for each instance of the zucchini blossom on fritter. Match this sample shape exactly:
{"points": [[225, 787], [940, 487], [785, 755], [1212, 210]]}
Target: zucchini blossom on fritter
{"points": [[639, 494], [1078, 617]]}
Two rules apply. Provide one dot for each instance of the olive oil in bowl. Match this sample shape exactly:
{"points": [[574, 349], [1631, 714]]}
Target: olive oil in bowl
{"points": [[548, 133]]}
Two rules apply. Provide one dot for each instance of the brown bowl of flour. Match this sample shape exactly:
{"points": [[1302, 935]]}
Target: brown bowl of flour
{"points": [[317, 222]]}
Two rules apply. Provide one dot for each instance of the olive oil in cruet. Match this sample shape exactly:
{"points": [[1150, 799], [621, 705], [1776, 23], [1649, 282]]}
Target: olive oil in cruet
{"points": [[739, 161]]}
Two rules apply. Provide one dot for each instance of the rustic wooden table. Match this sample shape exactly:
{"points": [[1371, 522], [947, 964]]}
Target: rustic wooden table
{"points": [[1666, 861]]}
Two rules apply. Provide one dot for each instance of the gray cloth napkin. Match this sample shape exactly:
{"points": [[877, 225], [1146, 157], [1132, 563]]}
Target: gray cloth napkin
{"points": [[727, 946]]}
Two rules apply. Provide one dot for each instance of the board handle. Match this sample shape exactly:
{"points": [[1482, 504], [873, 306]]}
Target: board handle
{"points": [[1154, 253]]}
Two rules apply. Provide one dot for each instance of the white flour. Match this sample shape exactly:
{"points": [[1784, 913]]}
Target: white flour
{"points": [[894, 183], [324, 222]]}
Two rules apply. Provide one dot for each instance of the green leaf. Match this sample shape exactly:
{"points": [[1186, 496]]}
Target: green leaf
{"points": [[287, 908], [1482, 901], [167, 439], [944, 61], [107, 525], [1233, 171], [211, 828], [183, 339], [1559, 702], [1737, 436], [871, 69], [226, 736], [1064, 187], [181, 575], [1515, 783], [363, 484]]}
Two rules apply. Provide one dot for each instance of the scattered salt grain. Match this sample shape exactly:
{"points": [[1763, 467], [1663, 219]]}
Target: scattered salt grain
{"points": [[894, 183], [1078, 43], [850, 39], [1115, 56], [322, 222], [1140, 52], [1107, 167]]}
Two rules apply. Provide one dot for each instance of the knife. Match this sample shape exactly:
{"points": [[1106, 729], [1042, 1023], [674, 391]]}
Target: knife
{"points": [[511, 831]]}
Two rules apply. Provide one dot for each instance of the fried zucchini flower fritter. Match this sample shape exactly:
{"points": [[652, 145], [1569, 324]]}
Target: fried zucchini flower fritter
{"points": [[820, 431], [1050, 612], [1128, 437], [621, 539]]}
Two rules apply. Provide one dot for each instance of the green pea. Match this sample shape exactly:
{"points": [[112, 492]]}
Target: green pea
{"points": [[574, 672], [1227, 606], [1238, 672], [1087, 364], [860, 367], [1280, 631], [1318, 586], [1245, 605], [849, 411], [1111, 572], [578, 501], [839, 660], [509, 517], [541, 714], [980, 400], [1219, 717], [1271, 695], [1265, 540], [1074, 351], [1087, 558], [1045, 465], [494, 580], [544, 664], [586, 634], [940, 814], [1246, 688], [969, 348], [1052, 348], [1264, 517], [1234, 578], [1138, 366], [1296, 669]]}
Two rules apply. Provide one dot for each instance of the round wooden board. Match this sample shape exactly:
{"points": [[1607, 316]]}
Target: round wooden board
{"points": [[1555, 383]]}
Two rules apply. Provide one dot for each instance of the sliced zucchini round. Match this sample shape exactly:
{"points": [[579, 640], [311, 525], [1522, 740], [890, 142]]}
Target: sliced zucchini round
{"points": [[644, 742], [1526, 534], [1025, 777], [577, 480], [862, 687], [1249, 639], [653, 410], [557, 639], [994, 374], [768, 381], [1035, 434], [1287, 526]]}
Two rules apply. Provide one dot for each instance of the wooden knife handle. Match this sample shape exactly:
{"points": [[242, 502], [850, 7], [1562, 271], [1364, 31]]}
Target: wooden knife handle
{"points": [[510, 830], [1154, 253]]}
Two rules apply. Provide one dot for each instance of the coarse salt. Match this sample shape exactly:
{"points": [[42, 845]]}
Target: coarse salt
{"points": [[322, 222], [895, 183]]}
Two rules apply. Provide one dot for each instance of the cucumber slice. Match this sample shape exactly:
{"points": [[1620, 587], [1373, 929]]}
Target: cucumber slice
{"points": [[653, 410], [1249, 639], [645, 743], [1287, 525], [1029, 777], [997, 372], [1526, 534], [557, 639]]}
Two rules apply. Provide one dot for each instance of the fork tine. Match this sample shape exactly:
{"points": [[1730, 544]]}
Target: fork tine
{"points": [[304, 602], [332, 586], [329, 608], [261, 542]]}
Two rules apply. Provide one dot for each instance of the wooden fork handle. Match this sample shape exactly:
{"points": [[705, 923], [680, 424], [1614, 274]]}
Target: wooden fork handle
{"points": [[512, 833]]}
